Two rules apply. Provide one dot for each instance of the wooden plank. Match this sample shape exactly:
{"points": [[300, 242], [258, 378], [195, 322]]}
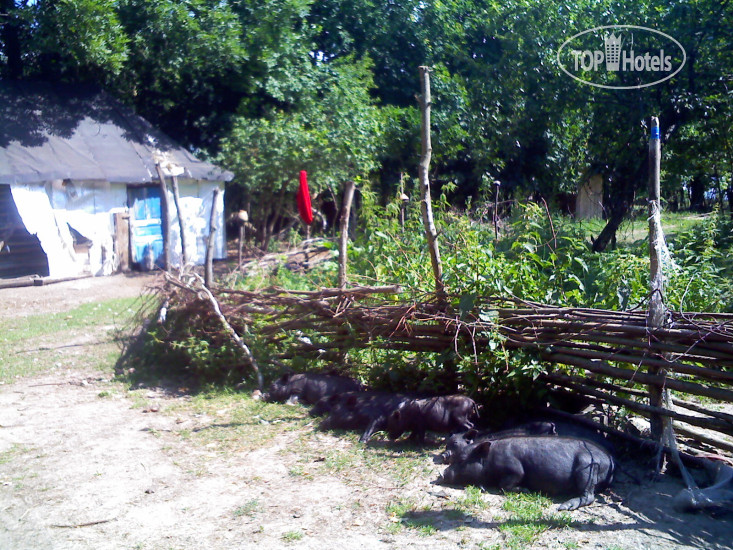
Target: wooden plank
{"points": [[122, 239]]}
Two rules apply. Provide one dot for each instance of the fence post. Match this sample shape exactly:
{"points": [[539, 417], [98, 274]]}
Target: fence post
{"points": [[344, 231], [213, 226], [181, 221], [427, 209], [656, 313], [165, 220], [661, 426]]}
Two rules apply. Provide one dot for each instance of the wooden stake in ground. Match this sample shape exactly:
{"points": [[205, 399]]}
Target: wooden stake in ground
{"points": [[181, 221], [344, 228], [165, 221], [242, 219], [661, 426], [656, 313], [425, 201], [209, 272]]}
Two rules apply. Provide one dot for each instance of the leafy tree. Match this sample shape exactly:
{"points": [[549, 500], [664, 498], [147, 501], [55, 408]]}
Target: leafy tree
{"points": [[186, 70], [333, 134], [63, 39]]}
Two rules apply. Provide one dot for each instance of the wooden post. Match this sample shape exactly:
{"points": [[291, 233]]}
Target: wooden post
{"points": [[122, 239], [165, 219], [344, 228], [497, 184], [656, 313], [240, 244], [403, 201], [242, 220], [425, 201], [181, 221], [209, 271], [661, 426]]}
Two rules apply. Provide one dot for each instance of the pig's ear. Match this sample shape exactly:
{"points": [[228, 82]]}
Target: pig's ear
{"points": [[285, 377], [480, 449]]}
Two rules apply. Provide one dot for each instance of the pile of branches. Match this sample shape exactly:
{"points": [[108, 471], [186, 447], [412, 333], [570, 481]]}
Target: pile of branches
{"points": [[614, 354]]}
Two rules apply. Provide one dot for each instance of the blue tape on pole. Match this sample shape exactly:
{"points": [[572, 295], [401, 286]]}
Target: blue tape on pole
{"points": [[655, 132]]}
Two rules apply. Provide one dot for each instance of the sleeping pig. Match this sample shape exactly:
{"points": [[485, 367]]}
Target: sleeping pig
{"points": [[309, 387], [366, 411], [550, 464], [459, 446]]}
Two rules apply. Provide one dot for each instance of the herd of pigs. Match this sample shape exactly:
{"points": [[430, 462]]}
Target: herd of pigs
{"points": [[556, 458]]}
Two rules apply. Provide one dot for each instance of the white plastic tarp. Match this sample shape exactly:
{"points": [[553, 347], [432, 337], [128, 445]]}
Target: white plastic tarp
{"points": [[39, 219]]}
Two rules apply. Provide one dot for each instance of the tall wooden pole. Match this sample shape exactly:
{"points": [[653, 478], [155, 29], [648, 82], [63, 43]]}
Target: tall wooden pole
{"points": [[656, 313], [425, 201], [344, 229], [165, 220], [209, 269], [661, 426], [181, 221]]}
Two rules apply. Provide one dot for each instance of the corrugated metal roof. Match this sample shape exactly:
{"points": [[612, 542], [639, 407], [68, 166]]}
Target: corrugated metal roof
{"points": [[52, 132]]}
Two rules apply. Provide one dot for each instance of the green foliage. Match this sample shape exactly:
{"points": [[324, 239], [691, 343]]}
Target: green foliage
{"points": [[80, 39], [333, 132], [190, 346], [330, 87]]}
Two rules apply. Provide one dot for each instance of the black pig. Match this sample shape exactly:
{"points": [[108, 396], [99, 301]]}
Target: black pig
{"points": [[366, 411], [459, 446], [552, 465], [444, 413], [309, 387]]}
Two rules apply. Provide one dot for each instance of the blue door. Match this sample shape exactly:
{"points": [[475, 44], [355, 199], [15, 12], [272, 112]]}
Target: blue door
{"points": [[146, 233]]}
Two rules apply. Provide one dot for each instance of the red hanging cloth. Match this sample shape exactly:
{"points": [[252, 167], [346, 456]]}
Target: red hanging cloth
{"points": [[304, 199]]}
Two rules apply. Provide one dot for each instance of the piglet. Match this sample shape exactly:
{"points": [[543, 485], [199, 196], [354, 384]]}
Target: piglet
{"points": [[444, 413]]}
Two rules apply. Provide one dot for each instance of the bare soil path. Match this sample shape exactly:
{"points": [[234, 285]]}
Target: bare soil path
{"points": [[88, 463]]}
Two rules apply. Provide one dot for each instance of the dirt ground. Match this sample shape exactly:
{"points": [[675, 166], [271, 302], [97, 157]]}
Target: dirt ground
{"points": [[31, 300], [86, 464]]}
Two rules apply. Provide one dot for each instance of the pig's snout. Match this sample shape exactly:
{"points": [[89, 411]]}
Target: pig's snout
{"points": [[442, 458]]}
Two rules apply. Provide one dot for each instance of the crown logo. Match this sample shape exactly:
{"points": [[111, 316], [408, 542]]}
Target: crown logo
{"points": [[612, 45]]}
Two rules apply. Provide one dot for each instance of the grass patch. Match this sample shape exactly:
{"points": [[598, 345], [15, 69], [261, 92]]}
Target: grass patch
{"points": [[249, 509], [528, 520], [637, 229], [234, 421], [406, 513], [31, 345], [472, 500], [292, 536], [12, 453], [340, 460]]}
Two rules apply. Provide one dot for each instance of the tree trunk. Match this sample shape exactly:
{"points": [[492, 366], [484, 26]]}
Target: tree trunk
{"points": [[697, 193], [607, 235], [272, 221]]}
